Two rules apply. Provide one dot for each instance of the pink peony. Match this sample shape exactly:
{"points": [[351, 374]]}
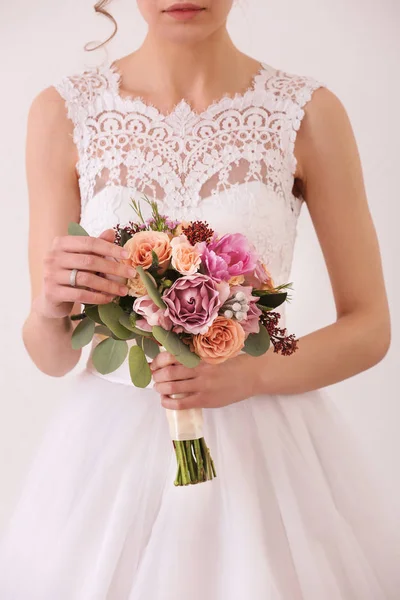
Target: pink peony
{"points": [[229, 256], [151, 313], [192, 303], [261, 278]]}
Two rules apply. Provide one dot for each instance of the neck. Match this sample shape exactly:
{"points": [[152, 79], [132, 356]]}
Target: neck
{"points": [[200, 71]]}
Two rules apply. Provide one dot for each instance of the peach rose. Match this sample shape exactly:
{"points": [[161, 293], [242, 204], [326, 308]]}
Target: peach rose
{"points": [[141, 246], [224, 339], [136, 286], [186, 259]]}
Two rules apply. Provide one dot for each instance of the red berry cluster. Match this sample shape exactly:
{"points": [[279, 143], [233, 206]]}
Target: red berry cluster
{"points": [[283, 343], [198, 231], [130, 229]]}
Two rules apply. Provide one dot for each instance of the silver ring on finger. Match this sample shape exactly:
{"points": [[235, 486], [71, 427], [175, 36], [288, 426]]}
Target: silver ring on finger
{"points": [[177, 396], [72, 277]]}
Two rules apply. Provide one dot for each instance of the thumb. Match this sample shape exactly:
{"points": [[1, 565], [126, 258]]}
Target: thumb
{"points": [[108, 235]]}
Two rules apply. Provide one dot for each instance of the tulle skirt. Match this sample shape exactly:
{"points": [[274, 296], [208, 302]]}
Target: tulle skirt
{"points": [[291, 515]]}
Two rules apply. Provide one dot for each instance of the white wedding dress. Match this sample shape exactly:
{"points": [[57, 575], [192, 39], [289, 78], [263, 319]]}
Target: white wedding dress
{"points": [[290, 515]]}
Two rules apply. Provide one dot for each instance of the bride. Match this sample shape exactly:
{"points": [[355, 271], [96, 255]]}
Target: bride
{"points": [[210, 134]]}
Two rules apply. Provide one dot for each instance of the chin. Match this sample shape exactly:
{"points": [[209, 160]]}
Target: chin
{"points": [[185, 33]]}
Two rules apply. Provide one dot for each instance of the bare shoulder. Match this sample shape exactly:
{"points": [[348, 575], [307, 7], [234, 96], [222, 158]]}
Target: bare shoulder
{"points": [[325, 128], [50, 131], [48, 108]]}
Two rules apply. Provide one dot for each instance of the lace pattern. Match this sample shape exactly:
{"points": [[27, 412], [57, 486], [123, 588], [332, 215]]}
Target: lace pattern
{"points": [[239, 151], [184, 156]]}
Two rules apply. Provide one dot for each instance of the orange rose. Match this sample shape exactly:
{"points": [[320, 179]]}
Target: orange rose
{"points": [[136, 286], [224, 339], [186, 258], [143, 244]]}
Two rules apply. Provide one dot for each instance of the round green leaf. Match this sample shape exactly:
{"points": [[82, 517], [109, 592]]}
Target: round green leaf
{"points": [[150, 347], [257, 344], [110, 315], [93, 313], [151, 288], [109, 355], [83, 334], [76, 229], [103, 330], [173, 344], [139, 367], [125, 321]]}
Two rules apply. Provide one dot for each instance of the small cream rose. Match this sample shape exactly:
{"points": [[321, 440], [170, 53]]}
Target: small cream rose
{"points": [[136, 286], [236, 280], [186, 259]]}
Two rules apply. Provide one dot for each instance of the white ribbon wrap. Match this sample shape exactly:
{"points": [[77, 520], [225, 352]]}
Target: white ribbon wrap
{"points": [[185, 425]]}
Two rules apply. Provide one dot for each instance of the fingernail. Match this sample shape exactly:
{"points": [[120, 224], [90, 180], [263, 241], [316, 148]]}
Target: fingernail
{"points": [[125, 254], [124, 290], [132, 272]]}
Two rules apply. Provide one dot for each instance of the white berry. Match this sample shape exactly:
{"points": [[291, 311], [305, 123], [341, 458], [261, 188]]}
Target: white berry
{"points": [[228, 314], [240, 296], [236, 306]]}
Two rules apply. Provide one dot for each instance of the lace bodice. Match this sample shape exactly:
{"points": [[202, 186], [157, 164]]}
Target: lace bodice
{"points": [[232, 165]]}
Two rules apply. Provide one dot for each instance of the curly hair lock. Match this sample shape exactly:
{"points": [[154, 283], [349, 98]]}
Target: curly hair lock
{"points": [[101, 8]]}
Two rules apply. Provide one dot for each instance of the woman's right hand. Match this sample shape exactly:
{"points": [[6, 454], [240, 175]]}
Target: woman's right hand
{"points": [[101, 274]]}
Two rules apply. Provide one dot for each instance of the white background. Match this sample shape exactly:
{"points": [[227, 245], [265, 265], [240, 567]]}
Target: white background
{"points": [[353, 47]]}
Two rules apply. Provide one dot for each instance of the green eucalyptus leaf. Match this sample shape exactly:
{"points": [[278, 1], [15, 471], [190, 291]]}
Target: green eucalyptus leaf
{"points": [[126, 322], [103, 330], [271, 300], [257, 344], [150, 347], [109, 355], [139, 367], [110, 314], [76, 229], [151, 288], [155, 263], [264, 308], [173, 344], [92, 311], [83, 334]]}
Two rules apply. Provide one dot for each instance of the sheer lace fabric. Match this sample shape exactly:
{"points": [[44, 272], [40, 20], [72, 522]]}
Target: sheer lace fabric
{"points": [[237, 156]]}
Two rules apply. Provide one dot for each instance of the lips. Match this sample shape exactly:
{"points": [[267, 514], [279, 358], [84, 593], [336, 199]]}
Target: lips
{"points": [[184, 7]]}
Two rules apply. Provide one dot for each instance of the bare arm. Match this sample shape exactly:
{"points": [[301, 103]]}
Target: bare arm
{"points": [[54, 201], [333, 187]]}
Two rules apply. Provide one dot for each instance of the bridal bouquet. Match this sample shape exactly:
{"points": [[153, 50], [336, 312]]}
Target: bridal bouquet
{"points": [[196, 294]]}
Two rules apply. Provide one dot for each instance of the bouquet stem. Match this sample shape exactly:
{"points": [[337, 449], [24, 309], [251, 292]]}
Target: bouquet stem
{"points": [[195, 464]]}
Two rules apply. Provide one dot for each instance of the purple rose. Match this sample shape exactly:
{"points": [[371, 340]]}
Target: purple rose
{"points": [[192, 303], [229, 256], [151, 313]]}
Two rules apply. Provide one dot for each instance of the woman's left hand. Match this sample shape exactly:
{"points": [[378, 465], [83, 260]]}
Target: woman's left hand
{"points": [[205, 386]]}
